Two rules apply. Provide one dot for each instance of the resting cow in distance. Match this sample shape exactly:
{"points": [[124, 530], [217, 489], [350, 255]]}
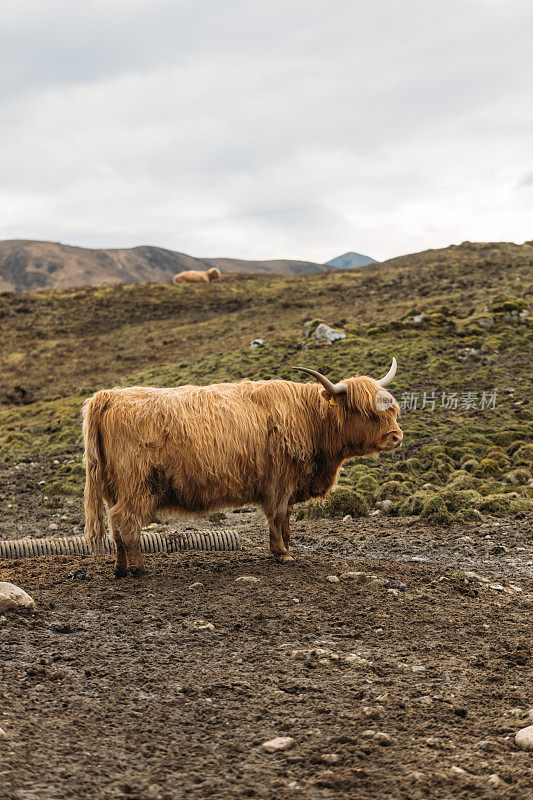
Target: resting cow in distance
{"points": [[197, 276], [192, 449]]}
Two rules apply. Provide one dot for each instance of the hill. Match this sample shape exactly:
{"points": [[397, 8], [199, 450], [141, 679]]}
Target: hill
{"points": [[456, 319], [350, 260], [30, 265]]}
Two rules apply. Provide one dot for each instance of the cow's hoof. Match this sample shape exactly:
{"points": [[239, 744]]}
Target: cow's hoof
{"points": [[284, 559], [136, 572], [120, 572]]}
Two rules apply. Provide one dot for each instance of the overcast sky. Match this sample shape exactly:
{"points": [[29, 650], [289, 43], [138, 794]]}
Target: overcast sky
{"points": [[282, 128]]}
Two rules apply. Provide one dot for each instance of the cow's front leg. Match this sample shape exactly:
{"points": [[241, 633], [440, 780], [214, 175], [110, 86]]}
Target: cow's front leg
{"points": [[286, 528], [278, 546]]}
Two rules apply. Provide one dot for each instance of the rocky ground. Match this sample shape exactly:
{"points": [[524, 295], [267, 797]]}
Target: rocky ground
{"points": [[411, 684]]}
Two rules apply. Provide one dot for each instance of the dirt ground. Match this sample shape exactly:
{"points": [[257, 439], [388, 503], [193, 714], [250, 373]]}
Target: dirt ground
{"points": [[167, 686]]}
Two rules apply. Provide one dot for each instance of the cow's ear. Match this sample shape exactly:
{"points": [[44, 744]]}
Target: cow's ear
{"points": [[332, 399]]}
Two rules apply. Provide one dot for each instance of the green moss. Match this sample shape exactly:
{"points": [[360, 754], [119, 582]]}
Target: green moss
{"points": [[488, 466], [456, 499], [367, 483], [468, 514], [518, 477], [392, 489], [341, 501], [523, 455], [435, 510], [413, 505], [471, 465], [501, 304], [496, 504]]}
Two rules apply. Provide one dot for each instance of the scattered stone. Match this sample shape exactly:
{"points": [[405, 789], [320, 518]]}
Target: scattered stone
{"points": [[79, 575], [3, 734], [384, 505], [375, 513], [279, 743], [485, 322], [246, 579], [12, 597], [197, 585], [330, 758], [53, 526], [205, 626], [393, 583], [256, 343], [347, 518], [524, 738], [324, 333], [496, 549], [373, 711], [332, 579], [494, 780], [418, 668], [458, 770], [473, 576], [360, 577], [382, 738]]}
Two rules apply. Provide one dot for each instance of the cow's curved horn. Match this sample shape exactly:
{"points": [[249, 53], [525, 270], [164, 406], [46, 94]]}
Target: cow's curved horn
{"points": [[332, 388], [389, 377]]}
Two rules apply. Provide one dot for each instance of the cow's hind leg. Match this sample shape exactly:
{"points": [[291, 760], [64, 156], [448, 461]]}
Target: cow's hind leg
{"points": [[126, 526]]}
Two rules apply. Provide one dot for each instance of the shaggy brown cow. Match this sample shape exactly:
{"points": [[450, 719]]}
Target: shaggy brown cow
{"points": [[164, 452], [197, 276]]}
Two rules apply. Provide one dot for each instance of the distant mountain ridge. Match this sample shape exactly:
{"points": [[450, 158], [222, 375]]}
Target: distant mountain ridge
{"points": [[27, 265], [350, 260]]}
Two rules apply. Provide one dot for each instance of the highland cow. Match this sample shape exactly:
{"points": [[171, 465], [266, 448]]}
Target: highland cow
{"points": [[193, 449], [197, 276]]}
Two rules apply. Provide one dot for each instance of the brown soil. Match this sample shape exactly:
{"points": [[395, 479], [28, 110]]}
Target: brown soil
{"points": [[118, 689]]}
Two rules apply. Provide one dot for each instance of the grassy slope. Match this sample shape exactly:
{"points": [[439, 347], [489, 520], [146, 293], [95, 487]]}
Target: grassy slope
{"points": [[62, 346]]}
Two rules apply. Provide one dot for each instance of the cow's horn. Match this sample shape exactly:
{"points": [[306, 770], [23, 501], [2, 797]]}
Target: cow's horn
{"points": [[389, 377], [332, 388]]}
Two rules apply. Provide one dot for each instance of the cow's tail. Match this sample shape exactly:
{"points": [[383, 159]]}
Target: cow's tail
{"points": [[95, 529]]}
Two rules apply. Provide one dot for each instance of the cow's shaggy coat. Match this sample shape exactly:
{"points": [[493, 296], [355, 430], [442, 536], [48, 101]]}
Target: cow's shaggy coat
{"points": [[197, 276], [194, 449]]}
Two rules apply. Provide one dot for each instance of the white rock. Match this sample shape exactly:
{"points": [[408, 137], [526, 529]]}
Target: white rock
{"points": [[197, 585], [3, 734], [333, 579], [329, 758], [347, 518], [384, 505], [530, 713], [12, 596], [494, 780], [53, 526], [247, 579], [256, 343], [279, 743], [524, 738], [324, 333]]}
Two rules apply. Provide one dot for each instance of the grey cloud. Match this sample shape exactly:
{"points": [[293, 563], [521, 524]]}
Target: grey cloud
{"points": [[301, 126]]}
